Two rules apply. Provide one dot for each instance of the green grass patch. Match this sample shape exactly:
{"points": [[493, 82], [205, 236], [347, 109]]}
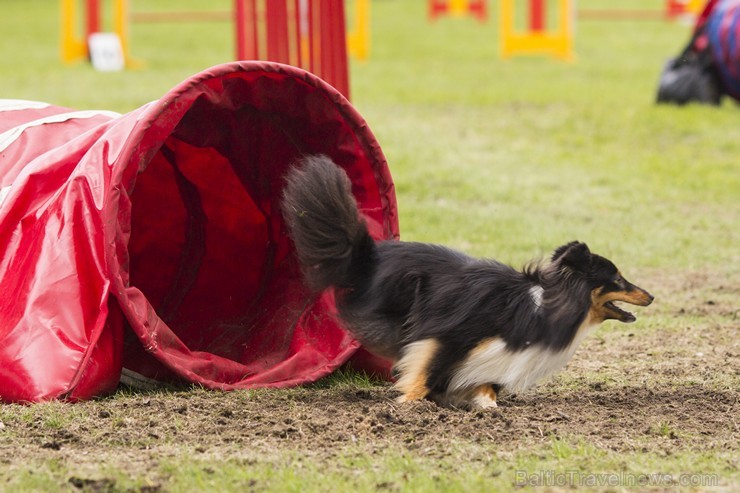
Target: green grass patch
{"points": [[563, 463]]}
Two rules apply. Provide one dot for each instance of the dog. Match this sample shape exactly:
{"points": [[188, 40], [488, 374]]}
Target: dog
{"points": [[458, 329]]}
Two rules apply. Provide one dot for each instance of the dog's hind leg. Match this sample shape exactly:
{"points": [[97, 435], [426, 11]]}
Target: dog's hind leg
{"points": [[484, 397], [413, 369], [481, 398]]}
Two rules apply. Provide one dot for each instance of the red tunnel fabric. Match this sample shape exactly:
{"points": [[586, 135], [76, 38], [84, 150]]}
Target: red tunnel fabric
{"points": [[154, 241]]}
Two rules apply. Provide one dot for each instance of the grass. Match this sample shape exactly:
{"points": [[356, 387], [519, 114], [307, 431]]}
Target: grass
{"points": [[497, 158], [562, 462]]}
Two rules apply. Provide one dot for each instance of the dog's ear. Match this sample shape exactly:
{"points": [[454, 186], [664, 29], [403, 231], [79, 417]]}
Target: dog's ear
{"points": [[574, 255], [561, 250]]}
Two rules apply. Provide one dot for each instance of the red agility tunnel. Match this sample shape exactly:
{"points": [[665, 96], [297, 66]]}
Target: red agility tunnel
{"points": [[154, 241]]}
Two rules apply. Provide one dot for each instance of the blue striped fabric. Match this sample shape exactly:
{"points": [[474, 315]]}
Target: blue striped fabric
{"points": [[723, 30]]}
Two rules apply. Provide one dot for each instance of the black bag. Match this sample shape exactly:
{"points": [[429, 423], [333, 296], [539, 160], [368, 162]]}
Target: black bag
{"points": [[690, 77]]}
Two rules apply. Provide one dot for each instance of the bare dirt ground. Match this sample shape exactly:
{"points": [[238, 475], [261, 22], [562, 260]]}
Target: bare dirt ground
{"points": [[658, 391]]}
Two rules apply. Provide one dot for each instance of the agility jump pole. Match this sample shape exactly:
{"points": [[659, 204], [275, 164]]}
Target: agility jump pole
{"points": [[358, 40], [674, 9], [458, 8], [75, 47], [681, 8], [306, 33], [72, 47], [244, 14], [536, 38]]}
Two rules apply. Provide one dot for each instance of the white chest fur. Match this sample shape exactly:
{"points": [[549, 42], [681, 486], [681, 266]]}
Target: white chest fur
{"points": [[492, 362]]}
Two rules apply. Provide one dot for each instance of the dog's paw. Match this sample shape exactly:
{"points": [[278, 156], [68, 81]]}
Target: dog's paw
{"points": [[483, 402], [408, 398]]}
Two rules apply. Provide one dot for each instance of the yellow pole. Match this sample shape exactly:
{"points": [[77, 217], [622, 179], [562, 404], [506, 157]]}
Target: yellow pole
{"points": [[72, 47], [567, 13], [120, 26], [359, 39], [506, 26], [695, 6], [458, 7], [557, 43]]}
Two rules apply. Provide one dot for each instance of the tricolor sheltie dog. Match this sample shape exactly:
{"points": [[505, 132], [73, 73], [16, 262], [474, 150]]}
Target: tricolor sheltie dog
{"points": [[458, 329]]}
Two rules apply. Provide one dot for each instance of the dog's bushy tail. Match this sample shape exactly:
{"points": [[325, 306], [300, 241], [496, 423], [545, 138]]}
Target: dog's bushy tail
{"points": [[331, 240]]}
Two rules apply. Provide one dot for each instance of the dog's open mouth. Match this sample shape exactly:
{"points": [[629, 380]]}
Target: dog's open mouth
{"points": [[617, 313]]}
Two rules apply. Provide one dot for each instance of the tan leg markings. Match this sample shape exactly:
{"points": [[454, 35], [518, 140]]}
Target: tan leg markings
{"points": [[414, 369], [484, 397]]}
